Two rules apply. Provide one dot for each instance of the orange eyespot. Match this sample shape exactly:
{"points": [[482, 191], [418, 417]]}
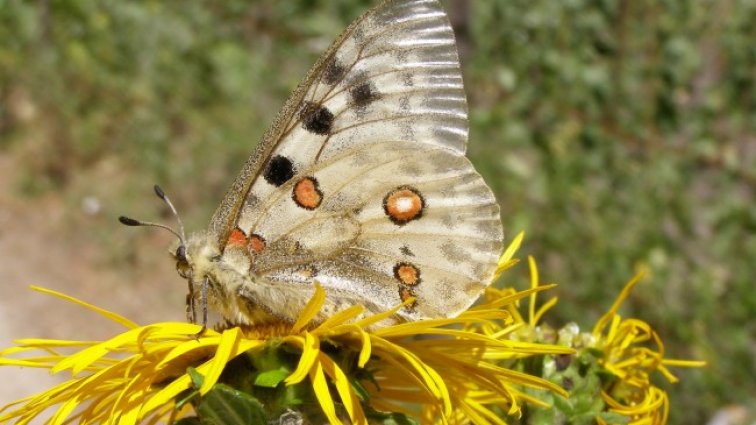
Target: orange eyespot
{"points": [[307, 194], [403, 205], [407, 274], [237, 238], [256, 244]]}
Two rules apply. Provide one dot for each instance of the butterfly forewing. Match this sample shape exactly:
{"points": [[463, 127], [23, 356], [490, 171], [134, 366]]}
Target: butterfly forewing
{"points": [[392, 75], [362, 184]]}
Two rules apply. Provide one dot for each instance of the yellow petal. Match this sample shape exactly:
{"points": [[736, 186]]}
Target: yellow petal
{"points": [[62, 413], [186, 349], [429, 376], [506, 261], [341, 382], [22, 363], [310, 310], [478, 414], [601, 323], [323, 394], [168, 393], [130, 416], [543, 309], [101, 311], [310, 350], [84, 358], [122, 400], [375, 318], [226, 350], [340, 318], [365, 350]]}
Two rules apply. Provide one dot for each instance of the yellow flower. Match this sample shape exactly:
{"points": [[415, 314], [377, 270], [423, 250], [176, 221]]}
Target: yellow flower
{"points": [[480, 367], [614, 360], [628, 356], [427, 369]]}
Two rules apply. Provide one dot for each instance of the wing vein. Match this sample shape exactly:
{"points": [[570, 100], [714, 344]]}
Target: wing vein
{"points": [[329, 94], [423, 265], [425, 235], [281, 193], [394, 118]]}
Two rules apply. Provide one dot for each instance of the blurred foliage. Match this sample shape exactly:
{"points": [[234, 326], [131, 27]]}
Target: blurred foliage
{"points": [[614, 132]]}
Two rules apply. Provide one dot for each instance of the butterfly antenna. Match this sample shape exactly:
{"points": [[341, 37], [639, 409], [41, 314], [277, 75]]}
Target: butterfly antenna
{"points": [[159, 192], [128, 221]]}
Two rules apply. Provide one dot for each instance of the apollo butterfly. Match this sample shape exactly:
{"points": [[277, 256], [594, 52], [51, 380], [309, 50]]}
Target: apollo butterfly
{"points": [[361, 184]]}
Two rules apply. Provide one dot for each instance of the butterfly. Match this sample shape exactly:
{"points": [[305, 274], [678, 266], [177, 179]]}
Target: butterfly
{"points": [[361, 184]]}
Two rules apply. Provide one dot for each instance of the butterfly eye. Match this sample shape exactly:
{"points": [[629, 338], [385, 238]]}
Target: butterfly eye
{"points": [[182, 264], [181, 253]]}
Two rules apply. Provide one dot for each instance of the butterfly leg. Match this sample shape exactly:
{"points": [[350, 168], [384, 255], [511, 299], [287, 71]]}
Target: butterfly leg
{"points": [[191, 310], [203, 303]]}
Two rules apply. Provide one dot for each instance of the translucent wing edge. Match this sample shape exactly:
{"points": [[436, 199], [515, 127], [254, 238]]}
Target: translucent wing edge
{"points": [[225, 215]]}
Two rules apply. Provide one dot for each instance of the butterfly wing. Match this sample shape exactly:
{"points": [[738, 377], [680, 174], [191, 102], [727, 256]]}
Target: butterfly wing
{"points": [[362, 184], [392, 75], [394, 221]]}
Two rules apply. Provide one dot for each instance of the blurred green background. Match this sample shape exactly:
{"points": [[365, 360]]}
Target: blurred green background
{"points": [[615, 133]]}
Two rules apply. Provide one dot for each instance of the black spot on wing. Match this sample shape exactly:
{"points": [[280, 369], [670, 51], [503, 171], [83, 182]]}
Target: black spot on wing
{"points": [[333, 71], [406, 251], [316, 118], [363, 94], [279, 170]]}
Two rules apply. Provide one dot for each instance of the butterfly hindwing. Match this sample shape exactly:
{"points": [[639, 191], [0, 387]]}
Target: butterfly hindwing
{"points": [[360, 238], [439, 250]]}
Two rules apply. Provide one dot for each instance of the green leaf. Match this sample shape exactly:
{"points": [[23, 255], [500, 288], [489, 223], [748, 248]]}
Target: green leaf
{"points": [[273, 366], [271, 378], [614, 418], [224, 405], [564, 405], [197, 378], [270, 358], [189, 395], [543, 416], [186, 397]]}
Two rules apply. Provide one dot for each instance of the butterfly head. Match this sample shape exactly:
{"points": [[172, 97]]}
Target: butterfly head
{"points": [[184, 263], [211, 275], [195, 257]]}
